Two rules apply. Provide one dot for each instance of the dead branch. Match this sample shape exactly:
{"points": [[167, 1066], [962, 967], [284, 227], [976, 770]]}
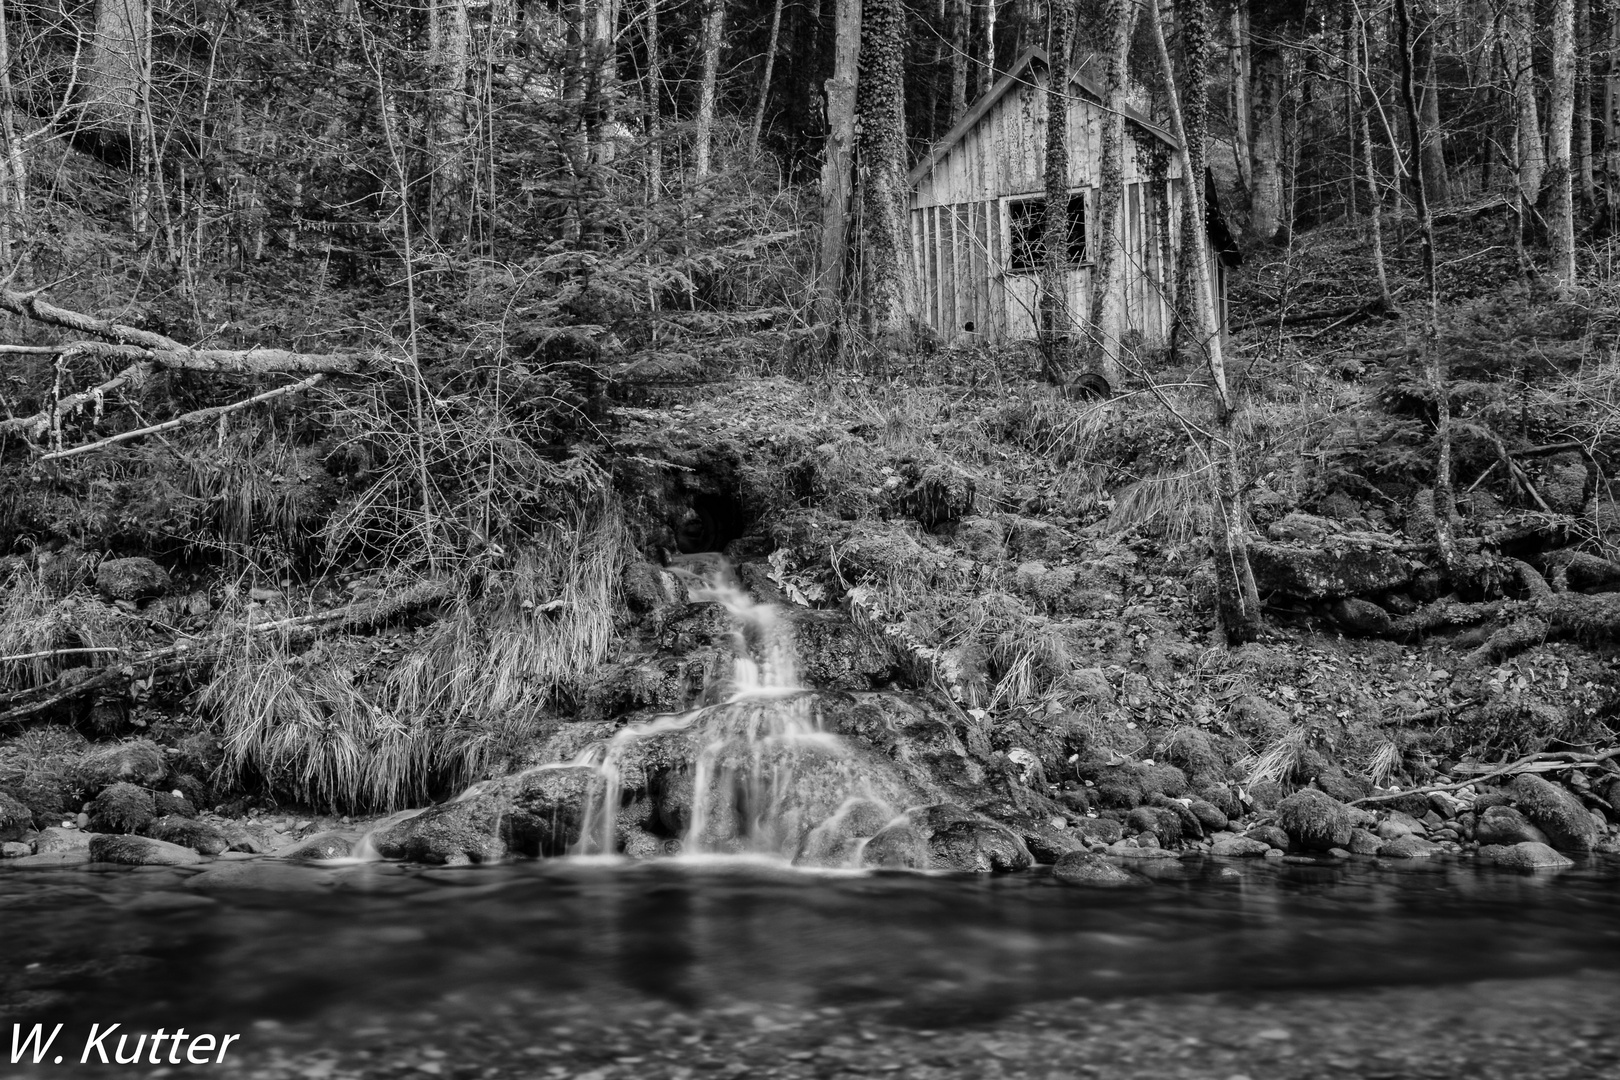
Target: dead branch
{"points": [[361, 615], [42, 421], [194, 417], [1520, 478], [30, 306], [59, 652], [1548, 762]]}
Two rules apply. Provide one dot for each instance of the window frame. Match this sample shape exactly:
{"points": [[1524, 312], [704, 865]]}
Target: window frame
{"points": [[1084, 193]]}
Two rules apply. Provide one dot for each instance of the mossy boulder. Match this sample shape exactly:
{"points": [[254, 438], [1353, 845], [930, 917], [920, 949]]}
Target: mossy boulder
{"points": [[1083, 868], [199, 836], [1100, 829], [121, 808], [1524, 856], [140, 851], [1556, 811], [320, 848], [1211, 817], [1325, 573], [1314, 821], [835, 841], [15, 819], [138, 761], [980, 846], [131, 579], [900, 845], [466, 831], [1503, 825], [1163, 824], [547, 808]]}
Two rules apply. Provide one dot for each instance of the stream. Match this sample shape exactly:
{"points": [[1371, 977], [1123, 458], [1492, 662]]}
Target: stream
{"points": [[595, 969]]}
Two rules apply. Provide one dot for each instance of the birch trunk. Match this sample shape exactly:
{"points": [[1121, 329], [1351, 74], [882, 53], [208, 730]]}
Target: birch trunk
{"points": [[1516, 25], [714, 24], [1560, 120], [1238, 601]]}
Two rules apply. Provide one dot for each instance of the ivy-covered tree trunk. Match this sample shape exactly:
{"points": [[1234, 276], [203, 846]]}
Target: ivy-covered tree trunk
{"points": [[714, 24], [1560, 121], [837, 162], [886, 285], [1056, 320], [1108, 273], [987, 70], [1196, 27], [959, 58], [1237, 599]]}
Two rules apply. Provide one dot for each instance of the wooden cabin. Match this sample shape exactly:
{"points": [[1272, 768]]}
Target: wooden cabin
{"points": [[978, 206]]}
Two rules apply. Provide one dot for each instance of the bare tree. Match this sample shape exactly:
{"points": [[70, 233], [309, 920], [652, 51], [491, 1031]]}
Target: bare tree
{"points": [[765, 79]]}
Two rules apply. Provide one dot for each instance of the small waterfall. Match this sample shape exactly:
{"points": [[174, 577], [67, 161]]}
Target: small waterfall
{"points": [[745, 757]]}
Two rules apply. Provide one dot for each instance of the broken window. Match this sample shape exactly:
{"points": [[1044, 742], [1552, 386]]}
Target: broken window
{"points": [[1027, 219]]}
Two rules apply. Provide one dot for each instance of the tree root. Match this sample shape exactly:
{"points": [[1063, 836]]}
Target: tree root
{"points": [[1533, 763], [1569, 569]]}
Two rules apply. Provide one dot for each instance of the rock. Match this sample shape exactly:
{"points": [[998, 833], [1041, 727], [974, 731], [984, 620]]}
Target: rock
{"points": [[469, 829], [1102, 830], [1408, 847], [15, 849], [1046, 841], [139, 761], [260, 875], [1524, 856], [834, 841], [1360, 618], [1363, 842], [54, 858], [1314, 821], [1556, 812], [121, 808], [250, 838], [1269, 835], [1211, 817], [1125, 850], [16, 820], [1084, 868], [978, 846], [200, 837], [1163, 824], [547, 809], [1232, 846], [57, 838], [131, 579], [899, 846], [140, 851], [1266, 794], [1325, 573], [1503, 825], [320, 847]]}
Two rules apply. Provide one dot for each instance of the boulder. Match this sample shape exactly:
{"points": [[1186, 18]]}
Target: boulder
{"points": [[1211, 817], [1503, 825], [1232, 846], [1325, 573], [468, 830], [15, 849], [141, 851], [1270, 835], [1408, 847], [320, 847], [56, 839], [548, 807], [1360, 618], [121, 808], [1163, 824], [138, 761], [131, 579], [1084, 868], [1524, 856], [899, 846], [16, 820], [835, 841], [1363, 842], [199, 836], [978, 846], [1100, 829], [1314, 821], [1556, 811]]}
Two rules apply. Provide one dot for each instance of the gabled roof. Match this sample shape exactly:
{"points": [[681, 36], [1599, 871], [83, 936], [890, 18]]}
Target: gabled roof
{"points": [[1018, 75]]}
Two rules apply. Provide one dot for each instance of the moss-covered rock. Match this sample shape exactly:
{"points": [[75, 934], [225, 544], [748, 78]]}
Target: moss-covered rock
{"points": [[199, 836], [1524, 856], [121, 808], [898, 846], [320, 847], [1314, 821], [1082, 868], [1556, 811], [1503, 825], [131, 579], [1325, 573], [469, 830], [138, 761], [15, 818], [140, 851], [1163, 824]]}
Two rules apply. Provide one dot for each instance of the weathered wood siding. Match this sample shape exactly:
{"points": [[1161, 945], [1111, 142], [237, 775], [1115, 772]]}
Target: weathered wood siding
{"points": [[961, 230]]}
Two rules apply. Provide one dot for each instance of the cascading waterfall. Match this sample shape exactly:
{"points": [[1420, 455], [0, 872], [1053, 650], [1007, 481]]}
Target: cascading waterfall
{"points": [[751, 748]]}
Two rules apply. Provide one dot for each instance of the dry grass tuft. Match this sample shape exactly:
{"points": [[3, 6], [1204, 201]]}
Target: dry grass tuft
{"points": [[1280, 759], [35, 619]]}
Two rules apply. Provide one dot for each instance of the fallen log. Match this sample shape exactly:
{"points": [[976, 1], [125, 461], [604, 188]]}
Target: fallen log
{"points": [[1545, 762], [1569, 569], [193, 652]]}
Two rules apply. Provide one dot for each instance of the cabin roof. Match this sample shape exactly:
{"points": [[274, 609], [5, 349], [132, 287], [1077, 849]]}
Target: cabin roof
{"points": [[1014, 77]]}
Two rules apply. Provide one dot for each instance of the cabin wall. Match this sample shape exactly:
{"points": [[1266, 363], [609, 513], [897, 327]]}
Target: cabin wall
{"points": [[961, 228]]}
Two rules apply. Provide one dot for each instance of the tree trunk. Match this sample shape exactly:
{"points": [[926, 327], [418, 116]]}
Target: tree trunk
{"points": [[885, 247], [765, 79], [987, 70], [1056, 321], [959, 12], [835, 168], [449, 46], [1436, 367], [1108, 273], [1238, 601], [1516, 25], [1196, 27], [1438, 188], [1266, 143], [1560, 119], [653, 107], [1611, 108], [13, 165], [1238, 54], [714, 23], [1583, 102], [1375, 197]]}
